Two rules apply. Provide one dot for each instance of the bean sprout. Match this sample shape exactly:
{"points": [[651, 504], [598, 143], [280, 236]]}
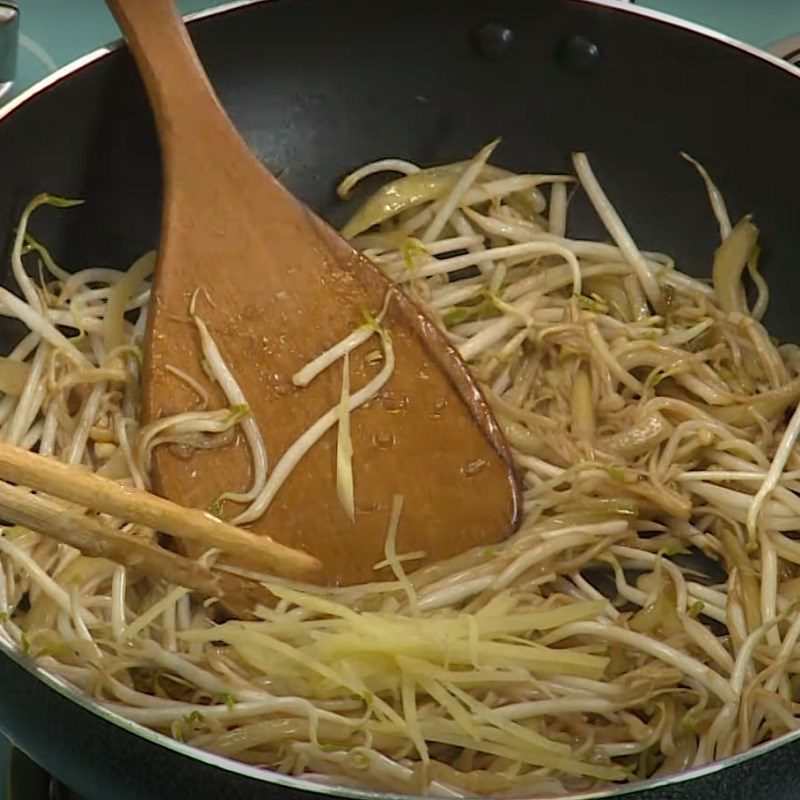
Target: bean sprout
{"points": [[642, 619]]}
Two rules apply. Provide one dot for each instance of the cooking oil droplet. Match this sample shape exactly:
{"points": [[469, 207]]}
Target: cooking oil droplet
{"points": [[183, 452], [383, 439], [474, 467], [394, 404], [439, 405]]}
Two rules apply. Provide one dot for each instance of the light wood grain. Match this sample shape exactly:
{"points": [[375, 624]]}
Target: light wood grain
{"points": [[96, 538], [88, 489]]}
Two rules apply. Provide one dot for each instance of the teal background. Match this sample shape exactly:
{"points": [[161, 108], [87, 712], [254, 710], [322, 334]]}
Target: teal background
{"points": [[54, 32]]}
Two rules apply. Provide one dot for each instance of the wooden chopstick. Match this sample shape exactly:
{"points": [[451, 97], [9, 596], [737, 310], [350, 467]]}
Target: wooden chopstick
{"points": [[134, 505], [99, 539]]}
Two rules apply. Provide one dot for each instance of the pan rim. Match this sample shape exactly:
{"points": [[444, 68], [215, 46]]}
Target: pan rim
{"points": [[229, 765], [623, 6]]}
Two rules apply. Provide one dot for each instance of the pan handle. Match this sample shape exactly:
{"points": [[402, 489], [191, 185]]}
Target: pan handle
{"points": [[788, 49], [9, 35]]}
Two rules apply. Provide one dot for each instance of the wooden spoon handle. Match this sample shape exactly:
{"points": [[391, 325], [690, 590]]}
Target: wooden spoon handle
{"points": [[189, 117], [134, 505], [98, 539]]}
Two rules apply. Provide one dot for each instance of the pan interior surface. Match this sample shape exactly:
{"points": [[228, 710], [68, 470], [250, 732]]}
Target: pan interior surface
{"points": [[316, 96]]}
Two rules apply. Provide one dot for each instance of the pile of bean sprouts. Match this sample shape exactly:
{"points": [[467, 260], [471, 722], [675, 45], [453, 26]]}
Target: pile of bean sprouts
{"points": [[641, 621]]}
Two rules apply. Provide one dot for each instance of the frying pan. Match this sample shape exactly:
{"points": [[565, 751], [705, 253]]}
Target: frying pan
{"points": [[318, 88]]}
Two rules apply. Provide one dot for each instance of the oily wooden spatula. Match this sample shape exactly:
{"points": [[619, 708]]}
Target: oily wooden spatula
{"points": [[277, 287]]}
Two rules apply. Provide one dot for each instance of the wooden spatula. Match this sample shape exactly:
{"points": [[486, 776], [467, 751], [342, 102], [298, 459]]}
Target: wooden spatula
{"points": [[276, 287]]}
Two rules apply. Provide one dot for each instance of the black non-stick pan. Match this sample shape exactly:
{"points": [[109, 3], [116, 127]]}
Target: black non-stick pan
{"points": [[318, 87]]}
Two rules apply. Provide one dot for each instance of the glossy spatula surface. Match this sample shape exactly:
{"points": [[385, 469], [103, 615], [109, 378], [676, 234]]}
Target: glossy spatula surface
{"points": [[276, 287]]}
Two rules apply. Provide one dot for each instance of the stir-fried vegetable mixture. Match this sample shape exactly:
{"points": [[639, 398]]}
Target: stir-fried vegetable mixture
{"points": [[642, 620]]}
